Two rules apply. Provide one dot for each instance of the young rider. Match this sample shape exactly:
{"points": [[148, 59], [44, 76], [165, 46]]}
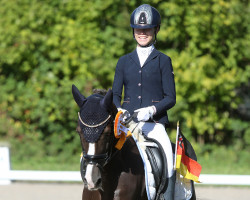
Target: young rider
{"points": [[148, 80]]}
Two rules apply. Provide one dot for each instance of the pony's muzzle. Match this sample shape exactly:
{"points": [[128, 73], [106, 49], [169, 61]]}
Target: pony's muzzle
{"points": [[93, 177]]}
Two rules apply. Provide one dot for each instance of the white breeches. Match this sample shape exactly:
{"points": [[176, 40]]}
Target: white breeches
{"points": [[157, 131]]}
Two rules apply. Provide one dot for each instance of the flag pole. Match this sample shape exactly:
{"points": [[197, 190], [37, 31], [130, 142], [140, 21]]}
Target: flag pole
{"points": [[176, 143]]}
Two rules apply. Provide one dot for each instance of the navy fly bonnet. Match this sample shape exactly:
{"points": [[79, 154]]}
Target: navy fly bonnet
{"points": [[94, 113]]}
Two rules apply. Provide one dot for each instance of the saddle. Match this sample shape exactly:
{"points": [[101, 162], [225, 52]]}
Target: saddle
{"points": [[156, 157], [184, 189]]}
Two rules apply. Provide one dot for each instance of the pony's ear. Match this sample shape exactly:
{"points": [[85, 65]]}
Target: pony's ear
{"points": [[107, 101], [79, 98]]}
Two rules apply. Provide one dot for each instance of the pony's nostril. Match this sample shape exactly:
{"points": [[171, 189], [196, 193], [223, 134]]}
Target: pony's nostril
{"points": [[98, 182]]}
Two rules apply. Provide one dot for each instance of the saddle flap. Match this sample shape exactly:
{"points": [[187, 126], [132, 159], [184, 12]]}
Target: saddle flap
{"points": [[156, 161]]}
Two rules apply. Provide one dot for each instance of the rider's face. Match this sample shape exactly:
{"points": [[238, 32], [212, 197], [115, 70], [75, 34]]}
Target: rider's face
{"points": [[144, 36]]}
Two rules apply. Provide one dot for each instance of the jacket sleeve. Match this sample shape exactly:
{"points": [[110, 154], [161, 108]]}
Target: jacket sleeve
{"points": [[168, 85], [118, 84]]}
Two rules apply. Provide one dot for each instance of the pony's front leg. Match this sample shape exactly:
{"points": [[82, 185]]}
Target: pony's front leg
{"points": [[130, 187]]}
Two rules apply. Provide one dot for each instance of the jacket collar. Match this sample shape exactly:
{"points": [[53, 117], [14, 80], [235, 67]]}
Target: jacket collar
{"points": [[135, 57]]}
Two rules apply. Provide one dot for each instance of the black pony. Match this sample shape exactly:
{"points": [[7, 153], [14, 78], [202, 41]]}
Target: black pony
{"points": [[107, 173]]}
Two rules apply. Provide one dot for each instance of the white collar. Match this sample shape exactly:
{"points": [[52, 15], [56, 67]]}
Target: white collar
{"points": [[144, 52]]}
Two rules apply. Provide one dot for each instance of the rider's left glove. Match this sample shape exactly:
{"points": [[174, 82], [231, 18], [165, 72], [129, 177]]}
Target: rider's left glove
{"points": [[125, 114], [144, 114]]}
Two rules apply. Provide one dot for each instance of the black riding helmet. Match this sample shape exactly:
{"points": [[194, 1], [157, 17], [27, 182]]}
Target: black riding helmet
{"points": [[144, 17]]}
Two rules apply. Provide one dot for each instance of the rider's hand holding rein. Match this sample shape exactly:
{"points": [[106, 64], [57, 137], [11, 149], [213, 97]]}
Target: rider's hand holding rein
{"points": [[144, 114], [125, 113]]}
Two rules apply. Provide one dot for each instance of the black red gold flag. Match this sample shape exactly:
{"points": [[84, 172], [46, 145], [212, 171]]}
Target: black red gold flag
{"points": [[186, 161]]}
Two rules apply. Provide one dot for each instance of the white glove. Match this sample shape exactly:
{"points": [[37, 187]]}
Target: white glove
{"points": [[125, 114], [144, 114]]}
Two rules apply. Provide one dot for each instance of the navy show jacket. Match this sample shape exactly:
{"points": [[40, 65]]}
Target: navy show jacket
{"points": [[152, 84]]}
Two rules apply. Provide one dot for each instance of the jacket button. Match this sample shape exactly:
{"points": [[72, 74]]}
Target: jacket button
{"points": [[139, 71], [139, 84], [139, 97]]}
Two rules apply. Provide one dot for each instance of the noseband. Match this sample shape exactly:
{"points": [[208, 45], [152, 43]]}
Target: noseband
{"points": [[99, 160]]}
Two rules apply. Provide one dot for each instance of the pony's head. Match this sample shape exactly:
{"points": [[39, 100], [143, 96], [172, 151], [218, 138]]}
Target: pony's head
{"points": [[95, 127]]}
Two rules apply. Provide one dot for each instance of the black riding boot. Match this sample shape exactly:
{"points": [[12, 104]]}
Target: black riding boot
{"points": [[169, 194]]}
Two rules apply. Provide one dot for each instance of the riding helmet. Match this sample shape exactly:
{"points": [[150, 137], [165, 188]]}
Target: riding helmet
{"points": [[144, 17]]}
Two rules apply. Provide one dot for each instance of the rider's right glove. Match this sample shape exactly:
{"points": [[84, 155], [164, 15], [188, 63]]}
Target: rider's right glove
{"points": [[144, 114]]}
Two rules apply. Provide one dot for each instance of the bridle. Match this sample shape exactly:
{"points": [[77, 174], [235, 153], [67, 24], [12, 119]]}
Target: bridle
{"points": [[100, 160]]}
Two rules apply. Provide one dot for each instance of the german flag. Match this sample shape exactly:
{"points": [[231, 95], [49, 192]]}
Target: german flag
{"points": [[186, 160]]}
